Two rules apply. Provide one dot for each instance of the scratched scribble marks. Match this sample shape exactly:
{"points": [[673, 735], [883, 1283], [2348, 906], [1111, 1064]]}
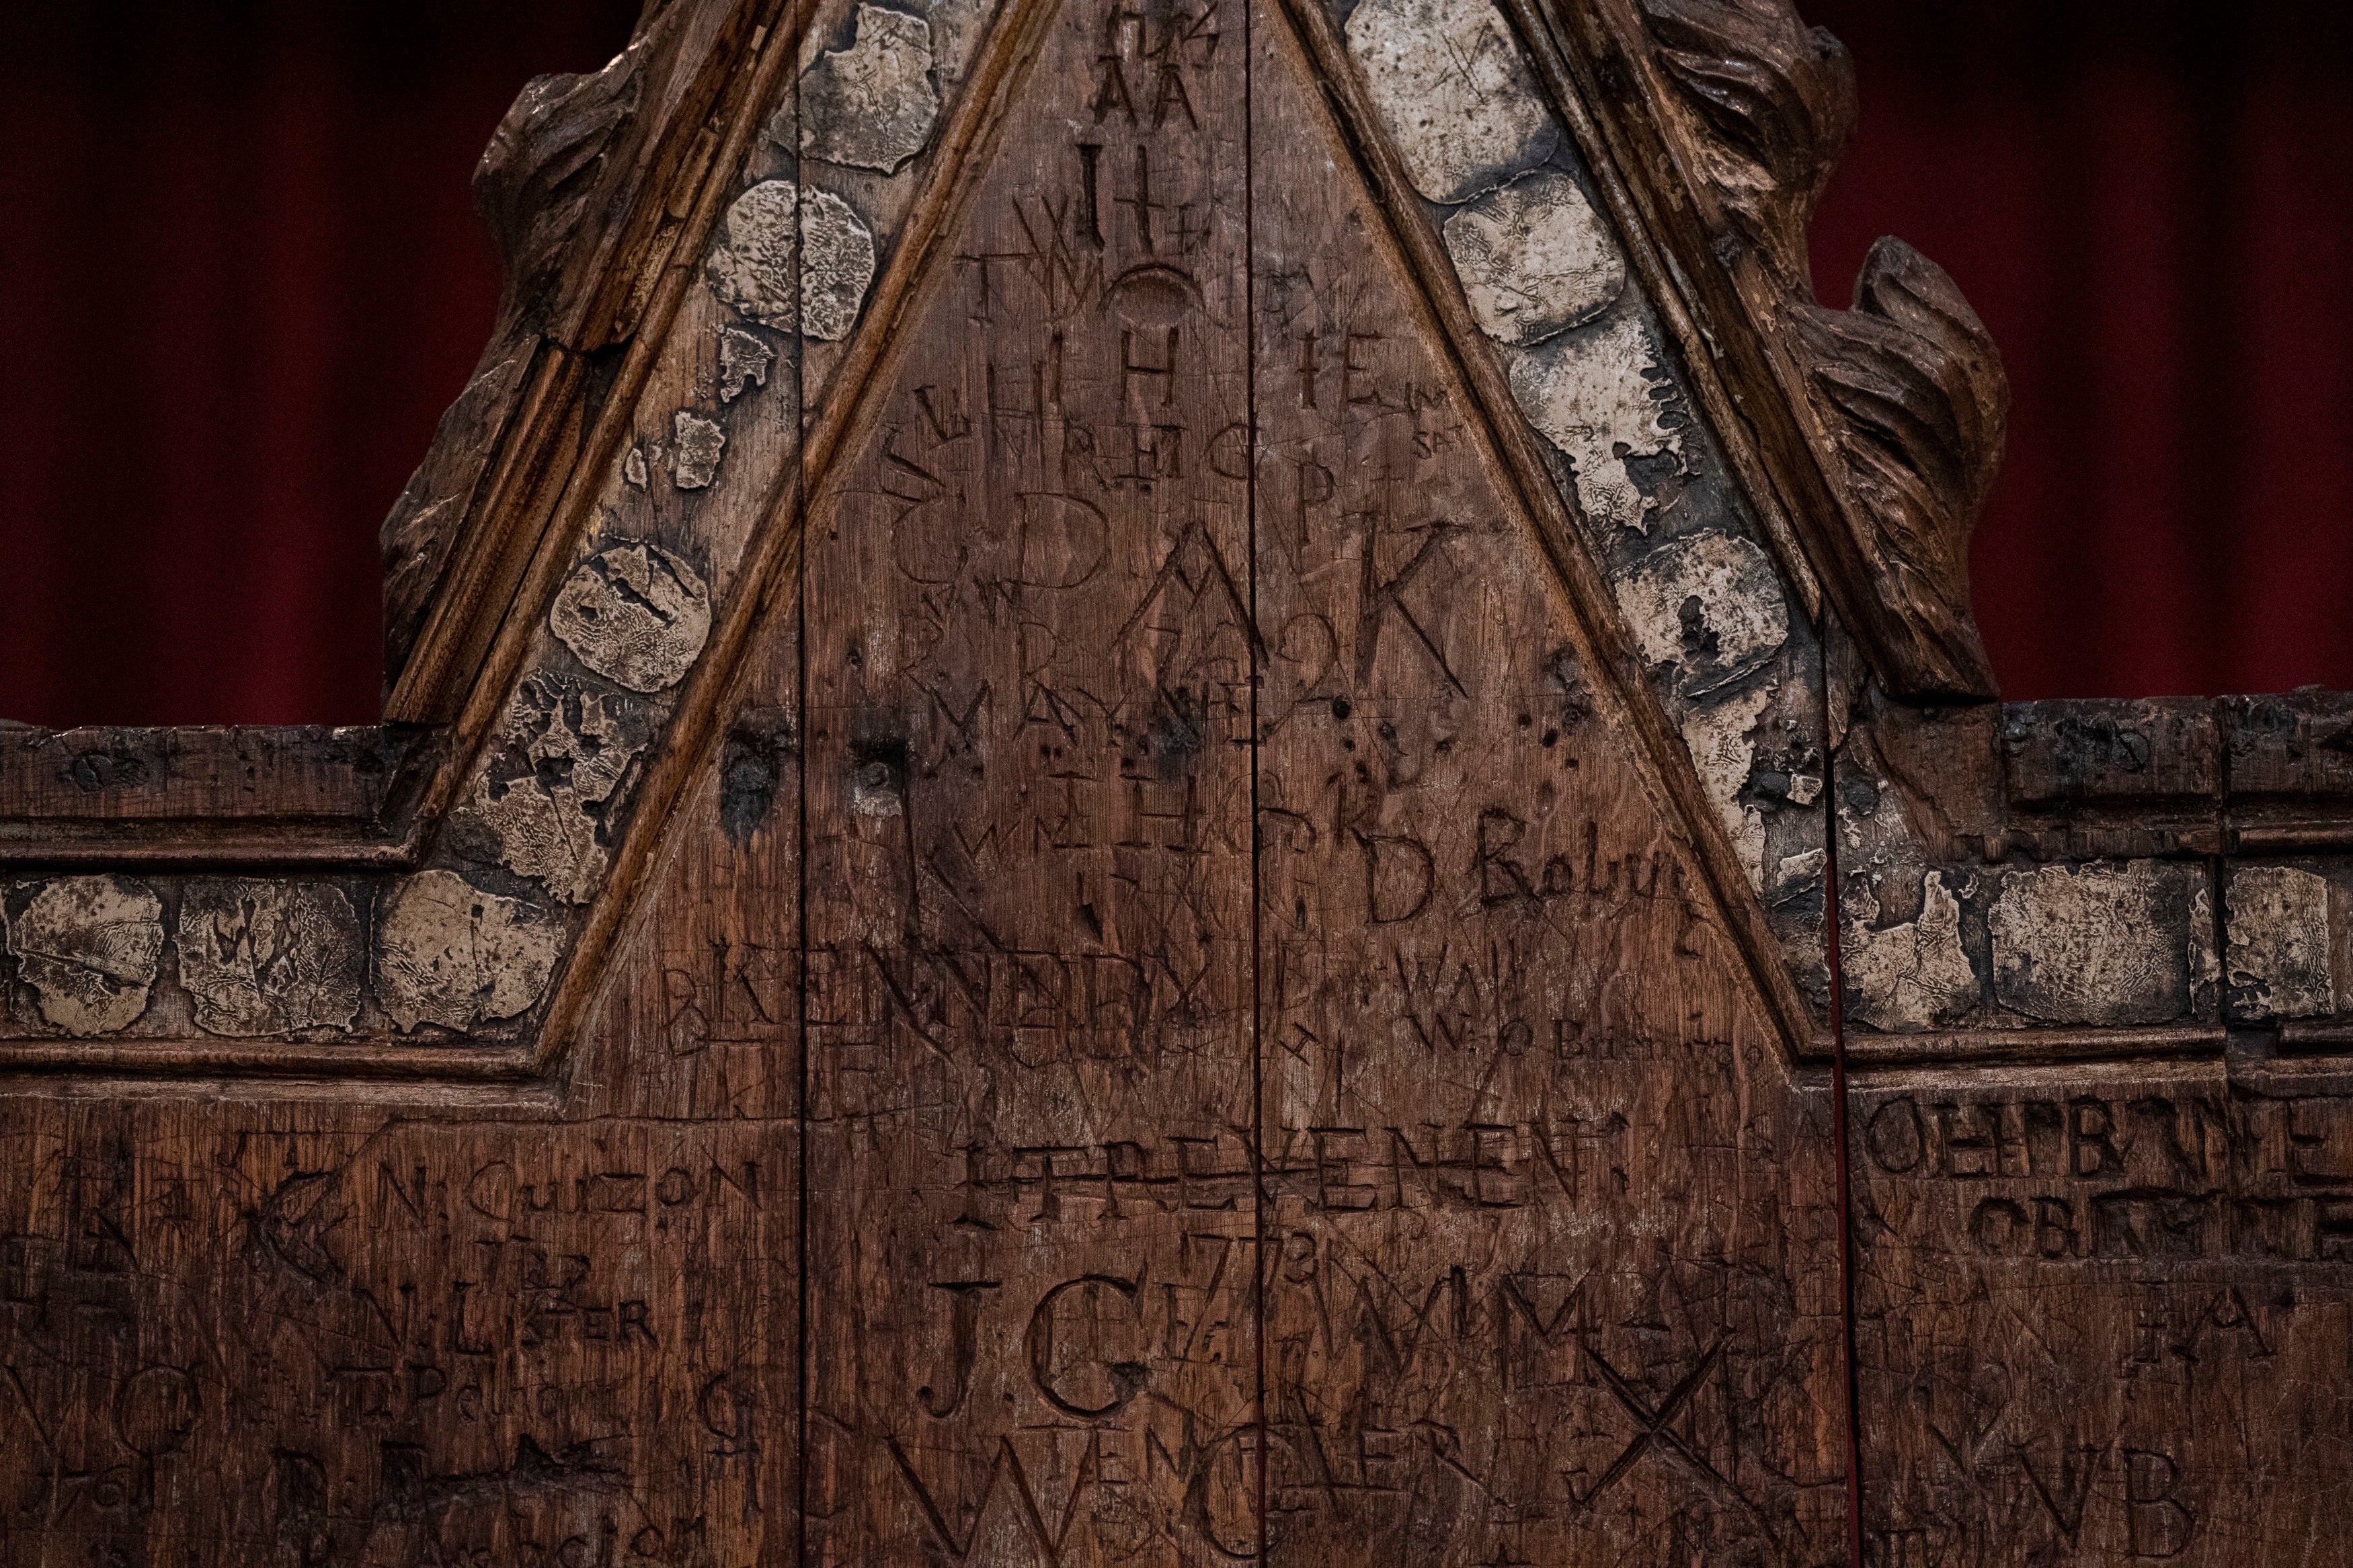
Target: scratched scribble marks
{"points": [[2090, 1313], [1029, 653], [1529, 1288], [441, 1344]]}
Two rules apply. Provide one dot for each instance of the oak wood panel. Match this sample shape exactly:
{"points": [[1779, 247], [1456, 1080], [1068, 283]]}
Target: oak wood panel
{"points": [[1028, 1003], [1550, 1258], [2102, 1316]]}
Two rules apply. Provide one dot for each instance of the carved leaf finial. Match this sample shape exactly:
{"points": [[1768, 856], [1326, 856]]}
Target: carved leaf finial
{"points": [[1911, 393], [541, 163], [1780, 98], [533, 189]]}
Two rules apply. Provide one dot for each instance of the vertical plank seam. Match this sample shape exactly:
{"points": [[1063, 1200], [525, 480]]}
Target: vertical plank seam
{"points": [[2217, 913], [848, 416], [1850, 1375], [807, 1062], [1257, 891]]}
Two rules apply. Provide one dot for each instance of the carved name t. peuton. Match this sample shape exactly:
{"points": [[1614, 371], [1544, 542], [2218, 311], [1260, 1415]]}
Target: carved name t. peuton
{"points": [[1147, 758]]}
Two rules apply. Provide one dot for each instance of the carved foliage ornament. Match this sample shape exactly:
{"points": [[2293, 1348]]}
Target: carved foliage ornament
{"points": [[1779, 97], [1906, 394], [1913, 401]]}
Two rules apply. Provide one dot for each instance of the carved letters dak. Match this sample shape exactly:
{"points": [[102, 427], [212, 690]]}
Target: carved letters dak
{"points": [[1141, 759]]}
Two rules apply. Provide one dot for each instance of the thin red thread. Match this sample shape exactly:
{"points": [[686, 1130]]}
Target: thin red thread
{"points": [[1839, 1132]]}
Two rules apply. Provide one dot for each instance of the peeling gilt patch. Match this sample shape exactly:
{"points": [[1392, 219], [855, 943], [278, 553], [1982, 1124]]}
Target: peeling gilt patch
{"points": [[872, 105], [1914, 976], [1450, 85], [838, 268], [541, 811], [752, 263], [637, 614], [1589, 395], [744, 362], [1534, 259], [698, 443], [88, 947], [269, 958], [449, 953], [2095, 944], [957, 27], [1709, 605], [2279, 943], [1723, 749]]}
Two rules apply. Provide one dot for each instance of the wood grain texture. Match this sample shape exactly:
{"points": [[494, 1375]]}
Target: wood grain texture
{"points": [[1538, 1189], [2094, 1310], [1656, 549], [1030, 1033], [1724, 118]]}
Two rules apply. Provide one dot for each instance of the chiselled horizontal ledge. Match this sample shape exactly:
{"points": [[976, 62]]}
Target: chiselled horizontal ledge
{"points": [[2138, 778], [2034, 1048], [526, 1100], [193, 773], [2315, 1035], [214, 797], [2304, 835], [270, 1058], [220, 846]]}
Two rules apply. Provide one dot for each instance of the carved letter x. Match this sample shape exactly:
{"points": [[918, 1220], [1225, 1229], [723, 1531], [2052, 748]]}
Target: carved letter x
{"points": [[1654, 1425]]}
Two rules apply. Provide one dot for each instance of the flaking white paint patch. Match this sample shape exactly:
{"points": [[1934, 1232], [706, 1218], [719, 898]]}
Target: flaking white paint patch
{"points": [[838, 267], [697, 443], [269, 958], [1534, 259], [872, 105], [744, 362], [1724, 749], [1910, 977], [1587, 393], [2279, 943], [957, 27], [2088, 944], [1709, 603], [449, 953], [873, 792], [88, 947], [1795, 869], [1449, 82], [544, 821], [636, 614], [753, 257]]}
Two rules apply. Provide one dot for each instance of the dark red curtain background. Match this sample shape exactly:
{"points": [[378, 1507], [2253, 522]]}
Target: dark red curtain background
{"points": [[241, 277], [2150, 203]]}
